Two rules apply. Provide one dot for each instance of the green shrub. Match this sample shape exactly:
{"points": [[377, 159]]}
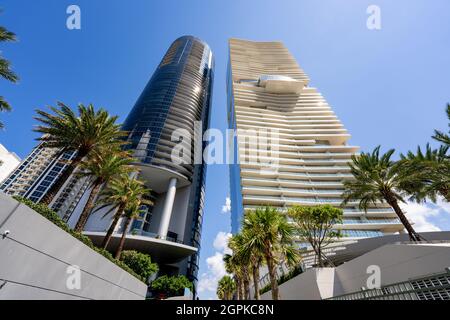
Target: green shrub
{"points": [[51, 215], [171, 286], [139, 262]]}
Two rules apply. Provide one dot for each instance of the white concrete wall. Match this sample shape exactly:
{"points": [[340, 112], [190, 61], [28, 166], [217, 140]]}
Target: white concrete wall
{"points": [[8, 162], [314, 284], [36, 254], [397, 263]]}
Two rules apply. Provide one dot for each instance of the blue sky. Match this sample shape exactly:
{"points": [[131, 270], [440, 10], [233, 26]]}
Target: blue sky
{"points": [[388, 86]]}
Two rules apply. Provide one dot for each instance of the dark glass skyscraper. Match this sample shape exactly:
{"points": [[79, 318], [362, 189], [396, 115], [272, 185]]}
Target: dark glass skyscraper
{"points": [[178, 96]]}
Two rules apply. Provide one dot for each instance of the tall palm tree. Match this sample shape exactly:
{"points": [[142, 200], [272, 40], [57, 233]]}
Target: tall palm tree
{"points": [[253, 255], [5, 68], [132, 211], [225, 288], [119, 194], [441, 136], [89, 131], [426, 174], [273, 237], [377, 179], [233, 267], [241, 262], [101, 168]]}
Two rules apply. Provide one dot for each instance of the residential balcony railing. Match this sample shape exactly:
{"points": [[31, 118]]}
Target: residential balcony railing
{"points": [[268, 199], [138, 232], [371, 221], [298, 175], [292, 190]]}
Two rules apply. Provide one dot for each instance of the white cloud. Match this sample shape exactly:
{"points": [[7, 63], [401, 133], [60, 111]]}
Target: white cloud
{"points": [[221, 242], [227, 207], [216, 267], [419, 215]]}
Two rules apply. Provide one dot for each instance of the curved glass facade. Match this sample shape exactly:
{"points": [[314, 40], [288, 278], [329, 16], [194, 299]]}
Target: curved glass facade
{"points": [[178, 95]]}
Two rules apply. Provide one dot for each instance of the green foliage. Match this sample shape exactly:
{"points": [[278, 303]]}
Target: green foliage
{"points": [[315, 225], [89, 130], [443, 137], [268, 232], [376, 180], [139, 262], [5, 68], [50, 215], [426, 173], [225, 288], [171, 285]]}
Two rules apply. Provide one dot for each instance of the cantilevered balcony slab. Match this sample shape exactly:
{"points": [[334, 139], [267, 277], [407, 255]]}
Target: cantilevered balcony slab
{"points": [[280, 84], [161, 251], [157, 178]]}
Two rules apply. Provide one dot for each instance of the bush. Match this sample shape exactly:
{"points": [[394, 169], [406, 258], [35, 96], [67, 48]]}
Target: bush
{"points": [[171, 286], [51, 215], [139, 262]]}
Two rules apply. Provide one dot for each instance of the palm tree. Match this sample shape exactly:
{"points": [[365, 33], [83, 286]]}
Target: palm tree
{"points": [[273, 237], [132, 211], [241, 262], [90, 131], [101, 167], [254, 257], [5, 68], [426, 174], [120, 193], [441, 136], [377, 179], [232, 267], [225, 288]]}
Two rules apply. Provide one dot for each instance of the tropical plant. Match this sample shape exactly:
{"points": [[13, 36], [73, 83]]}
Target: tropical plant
{"points": [[132, 210], [120, 194], [226, 288], [89, 131], [232, 267], [253, 255], [171, 285], [377, 179], [101, 168], [241, 263], [315, 224], [273, 236], [441, 136], [5, 68], [140, 263], [426, 174]]}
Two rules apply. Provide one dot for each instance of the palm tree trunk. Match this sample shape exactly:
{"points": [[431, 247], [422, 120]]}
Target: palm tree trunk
{"points": [[272, 276], [88, 207], [57, 185], [246, 286], [413, 235], [238, 288], [255, 270], [113, 225], [122, 239]]}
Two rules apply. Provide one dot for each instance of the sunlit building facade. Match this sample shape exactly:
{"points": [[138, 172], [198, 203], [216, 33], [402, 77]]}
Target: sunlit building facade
{"points": [[267, 89]]}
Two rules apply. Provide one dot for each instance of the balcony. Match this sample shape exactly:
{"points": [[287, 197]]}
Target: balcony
{"points": [[280, 84], [162, 251]]}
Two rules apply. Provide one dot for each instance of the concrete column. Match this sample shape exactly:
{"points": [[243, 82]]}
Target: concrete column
{"points": [[167, 209]]}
